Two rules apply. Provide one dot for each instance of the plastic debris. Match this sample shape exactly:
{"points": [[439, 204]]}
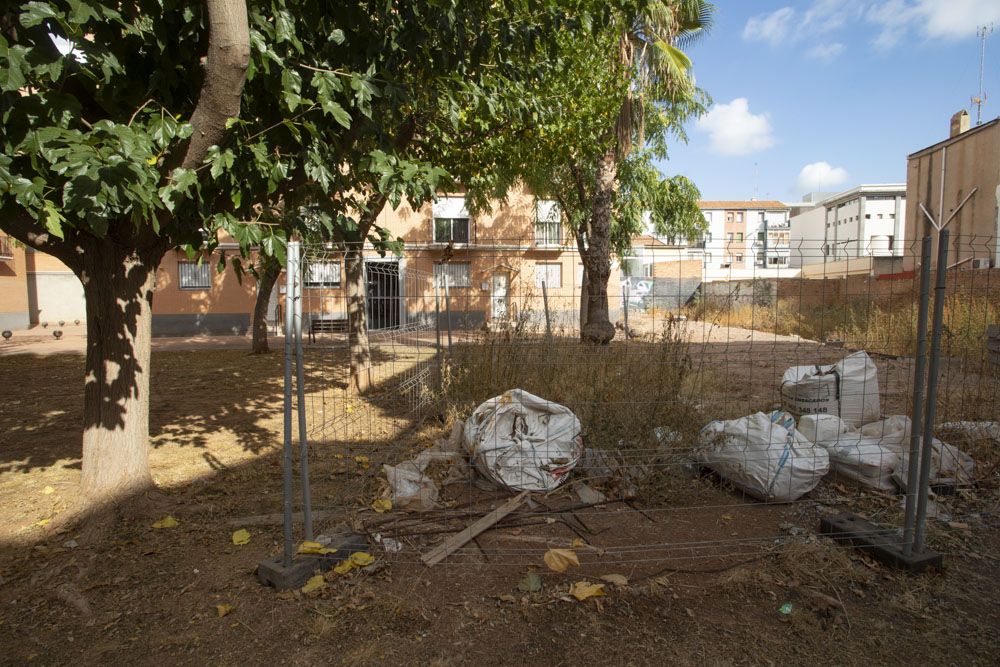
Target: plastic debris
{"points": [[382, 505], [241, 537], [524, 442], [785, 609], [619, 580]]}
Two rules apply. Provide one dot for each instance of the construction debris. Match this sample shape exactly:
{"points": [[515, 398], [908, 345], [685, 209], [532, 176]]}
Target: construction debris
{"points": [[446, 548], [847, 389]]}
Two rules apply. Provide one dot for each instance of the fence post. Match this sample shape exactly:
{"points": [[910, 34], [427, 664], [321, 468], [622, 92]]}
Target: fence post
{"points": [[286, 501], [447, 307], [296, 249], [625, 287], [545, 306], [932, 383], [912, 474]]}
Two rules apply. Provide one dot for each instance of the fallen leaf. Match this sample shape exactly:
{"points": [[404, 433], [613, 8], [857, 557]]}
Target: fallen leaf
{"points": [[343, 567], [531, 583], [349, 409], [241, 537], [308, 547], [559, 560], [223, 609], [582, 590], [958, 525], [382, 505], [315, 583], [362, 461], [617, 579], [166, 522], [577, 543], [361, 559], [48, 490]]}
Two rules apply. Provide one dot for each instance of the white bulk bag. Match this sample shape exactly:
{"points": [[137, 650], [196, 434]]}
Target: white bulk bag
{"points": [[847, 389], [868, 456], [949, 465], [523, 442], [763, 458]]}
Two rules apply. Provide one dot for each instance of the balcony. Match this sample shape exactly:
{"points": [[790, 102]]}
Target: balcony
{"points": [[6, 248]]}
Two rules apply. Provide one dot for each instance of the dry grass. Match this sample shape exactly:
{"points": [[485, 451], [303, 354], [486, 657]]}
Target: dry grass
{"points": [[888, 327], [620, 392]]}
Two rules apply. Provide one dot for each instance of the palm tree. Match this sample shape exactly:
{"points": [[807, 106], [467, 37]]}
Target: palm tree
{"points": [[658, 74]]}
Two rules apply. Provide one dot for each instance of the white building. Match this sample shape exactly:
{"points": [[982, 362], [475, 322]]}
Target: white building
{"points": [[865, 221]]}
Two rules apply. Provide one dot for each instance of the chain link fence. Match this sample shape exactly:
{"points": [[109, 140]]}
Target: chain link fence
{"points": [[740, 405]]}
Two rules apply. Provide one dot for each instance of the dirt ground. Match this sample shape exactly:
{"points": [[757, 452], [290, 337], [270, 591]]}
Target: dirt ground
{"points": [[706, 570]]}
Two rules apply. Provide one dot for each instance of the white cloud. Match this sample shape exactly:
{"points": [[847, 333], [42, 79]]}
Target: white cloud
{"points": [[826, 52], [820, 176], [934, 19], [733, 130], [773, 27]]}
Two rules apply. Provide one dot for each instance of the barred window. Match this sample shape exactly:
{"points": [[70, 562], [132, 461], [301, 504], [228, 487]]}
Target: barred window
{"points": [[548, 223], [194, 275], [322, 274], [550, 273], [457, 274], [451, 220]]}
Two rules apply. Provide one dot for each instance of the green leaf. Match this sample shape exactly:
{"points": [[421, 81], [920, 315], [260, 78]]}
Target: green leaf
{"points": [[34, 13], [53, 219]]}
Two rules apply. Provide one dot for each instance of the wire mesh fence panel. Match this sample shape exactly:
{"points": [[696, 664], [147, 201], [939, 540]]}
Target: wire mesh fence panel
{"points": [[747, 394]]}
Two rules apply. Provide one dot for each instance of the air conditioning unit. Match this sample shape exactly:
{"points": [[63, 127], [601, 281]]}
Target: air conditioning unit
{"points": [[982, 263]]}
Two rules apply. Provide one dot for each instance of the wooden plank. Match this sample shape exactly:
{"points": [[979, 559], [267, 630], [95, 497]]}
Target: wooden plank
{"points": [[456, 541]]}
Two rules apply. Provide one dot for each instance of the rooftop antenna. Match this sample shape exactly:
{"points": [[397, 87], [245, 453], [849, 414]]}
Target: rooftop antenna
{"points": [[982, 32]]}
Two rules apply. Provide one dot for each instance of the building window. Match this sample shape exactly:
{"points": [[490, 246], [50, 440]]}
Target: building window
{"points": [[451, 220], [739, 216], [739, 259], [739, 236], [647, 270], [548, 223], [194, 275], [550, 273], [729, 237], [455, 274], [760, 236], [322, 274], [777, 261], [868, 216], [579, 274], [730, 216]]}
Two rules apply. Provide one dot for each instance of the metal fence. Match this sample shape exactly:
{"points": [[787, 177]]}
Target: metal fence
{"points": [[732, 414]]}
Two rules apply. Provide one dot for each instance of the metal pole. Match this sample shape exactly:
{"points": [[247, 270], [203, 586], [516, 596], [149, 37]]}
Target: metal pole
{"points": [[300, 387], [920, 359], [447, 307], [625, 305], [932, 382], [545, 305], [290, 270], [437, 316]]}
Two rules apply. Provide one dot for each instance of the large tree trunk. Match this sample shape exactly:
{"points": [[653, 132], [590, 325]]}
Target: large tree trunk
{"points": [[597, 262], [268, 275], [584, 300], [118, 284], [357, 321]]}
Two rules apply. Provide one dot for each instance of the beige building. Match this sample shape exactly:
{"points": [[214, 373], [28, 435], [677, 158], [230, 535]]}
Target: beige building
{"points": [[958, 183], [495, 266]]}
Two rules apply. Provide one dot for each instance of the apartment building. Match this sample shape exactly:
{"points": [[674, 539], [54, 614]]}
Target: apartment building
{"points": [[743, 239], [864, 221], [957, 181]]}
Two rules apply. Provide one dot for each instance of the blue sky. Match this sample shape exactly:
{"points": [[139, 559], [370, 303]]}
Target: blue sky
{"points": [[830, 92]]}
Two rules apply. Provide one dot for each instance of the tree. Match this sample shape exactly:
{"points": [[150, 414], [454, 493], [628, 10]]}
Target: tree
{"points": [[619, 96], [377, 104], [102, 149]]}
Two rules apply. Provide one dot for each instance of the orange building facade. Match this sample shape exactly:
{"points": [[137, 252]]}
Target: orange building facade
{"points": [[492, 268]]}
